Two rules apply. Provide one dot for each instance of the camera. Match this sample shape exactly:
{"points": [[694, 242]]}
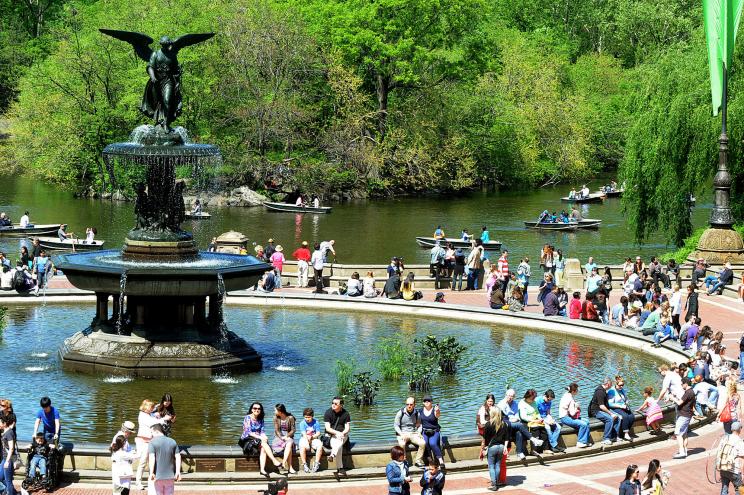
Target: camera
{"points": [[278, 487]]}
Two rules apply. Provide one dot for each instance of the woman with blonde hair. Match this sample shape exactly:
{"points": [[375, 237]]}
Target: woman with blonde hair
{"points": [[729, 406], [496, 436], [145, 420]]}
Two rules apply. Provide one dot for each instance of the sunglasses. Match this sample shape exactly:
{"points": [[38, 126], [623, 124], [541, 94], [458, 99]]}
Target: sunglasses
{"points": [[256, 409]]}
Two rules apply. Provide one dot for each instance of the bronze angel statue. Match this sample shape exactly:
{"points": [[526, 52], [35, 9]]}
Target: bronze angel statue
{"points": [[162, 98]]}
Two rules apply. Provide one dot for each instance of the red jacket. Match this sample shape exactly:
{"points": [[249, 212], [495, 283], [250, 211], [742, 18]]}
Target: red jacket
{"points": [[574, 309], [302, 254]]}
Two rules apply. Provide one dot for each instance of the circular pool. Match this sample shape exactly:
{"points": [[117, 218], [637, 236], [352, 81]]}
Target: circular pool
{"points": [[299, 350]]}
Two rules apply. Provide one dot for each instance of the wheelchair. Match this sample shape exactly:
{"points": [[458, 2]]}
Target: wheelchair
{"points": [[54, 463]]}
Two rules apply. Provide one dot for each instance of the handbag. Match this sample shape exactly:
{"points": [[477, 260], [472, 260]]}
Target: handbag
{"points": [[251, 446], [725, 416]]}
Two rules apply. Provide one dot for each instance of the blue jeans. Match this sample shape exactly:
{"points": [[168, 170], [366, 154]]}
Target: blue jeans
{"points": [[611, 425], [711, 401], [658, 336], [728, 477], [554, 433], [741, 370], [6, 476], [710, 280], [626, 420], [580, 424], [526, 285], [457, 279], [494, 455], [432, 443], [521, 434], [473, 278], [40, 462]]}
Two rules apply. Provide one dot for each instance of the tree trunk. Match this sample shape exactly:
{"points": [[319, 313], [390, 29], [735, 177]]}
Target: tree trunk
{"points": [[383, 89]]}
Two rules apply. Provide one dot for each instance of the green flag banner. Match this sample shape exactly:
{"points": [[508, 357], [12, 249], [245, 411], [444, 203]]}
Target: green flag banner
{"points": [[721, 23]]}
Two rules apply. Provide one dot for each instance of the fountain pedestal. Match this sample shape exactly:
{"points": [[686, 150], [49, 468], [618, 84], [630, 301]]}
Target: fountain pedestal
{"points": [[167, 296]]}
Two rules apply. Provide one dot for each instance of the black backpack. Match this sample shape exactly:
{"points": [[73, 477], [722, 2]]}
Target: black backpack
{"points": [[19, 281]]}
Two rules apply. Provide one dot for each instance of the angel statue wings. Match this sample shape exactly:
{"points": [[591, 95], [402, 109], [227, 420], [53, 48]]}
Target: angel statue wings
{"points": [[162, 98]]}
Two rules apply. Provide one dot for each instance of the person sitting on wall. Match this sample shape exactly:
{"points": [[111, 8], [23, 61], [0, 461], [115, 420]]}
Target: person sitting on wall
{"points": [[268, 282]]}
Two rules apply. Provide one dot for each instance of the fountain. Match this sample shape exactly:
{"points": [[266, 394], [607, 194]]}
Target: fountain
{"points": [[166, 317]]}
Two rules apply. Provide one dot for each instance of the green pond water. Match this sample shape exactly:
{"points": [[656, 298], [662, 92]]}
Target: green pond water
{"points": [[365, 231], [299, 350]]}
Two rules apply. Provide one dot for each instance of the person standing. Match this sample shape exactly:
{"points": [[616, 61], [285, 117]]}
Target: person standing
{"points": [[269, 249], [496, 435], [503, 269], [316, 260], [524, 272], [691, 304], [302, 255], [9, 452], [630, 485], [685, 408], [436, 262], [277, 261], [728, 459], [396, 472], [145, 421], [337, 424], [432, 480], [475, 265], [327, 247], [121, 465], [165, 460], [48, 416]]}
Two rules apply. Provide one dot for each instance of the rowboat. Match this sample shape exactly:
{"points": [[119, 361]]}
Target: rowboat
{"points": [[40, 229], [552, 226], [296, 209], [617, 193], [592, 198], [589, 223], [54, 243], [202, 215], [428, 242]]}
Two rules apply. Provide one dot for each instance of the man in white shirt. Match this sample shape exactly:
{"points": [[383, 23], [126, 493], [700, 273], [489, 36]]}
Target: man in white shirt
{"points": [[728, 458], [25, 221], [672, 383]]}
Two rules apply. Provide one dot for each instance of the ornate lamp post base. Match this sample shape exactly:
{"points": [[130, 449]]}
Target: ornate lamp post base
{"points": [[717, 246]]}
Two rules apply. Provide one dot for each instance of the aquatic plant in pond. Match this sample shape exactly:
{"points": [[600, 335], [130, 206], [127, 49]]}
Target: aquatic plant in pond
{"points": [[395, 356], [364, 388], [446, 352], [3, 313], [344, 376], [420, 373]]}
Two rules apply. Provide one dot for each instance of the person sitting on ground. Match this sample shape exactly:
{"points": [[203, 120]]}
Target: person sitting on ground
{"points": [[553, 429], [510, 410], [310, 440], [407, 426], [516, 300], [40, 449], [617, 398], [391, 290], [368, 286], [496, 299], [574, 307], [599, 408], [439, 297], [268, 282], [408, 289], [354, 285], [569, 414], [716, 284], [652, 411]]}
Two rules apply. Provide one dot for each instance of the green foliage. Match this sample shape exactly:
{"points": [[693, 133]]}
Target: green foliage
{"points": [[3, 315], [364, 388], [446, 352], [680, 254], [420, 373], [394, 356], [344, 376]]}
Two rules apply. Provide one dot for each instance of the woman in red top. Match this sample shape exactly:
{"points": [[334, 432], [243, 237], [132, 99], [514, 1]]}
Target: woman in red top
{"points": [[588, 309]]}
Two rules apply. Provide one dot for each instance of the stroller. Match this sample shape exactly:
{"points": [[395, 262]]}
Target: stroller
{"points": [[54, 461]]}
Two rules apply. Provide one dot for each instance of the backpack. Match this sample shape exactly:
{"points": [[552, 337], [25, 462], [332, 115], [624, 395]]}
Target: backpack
{"points": [[726, 456], [19, 281]]}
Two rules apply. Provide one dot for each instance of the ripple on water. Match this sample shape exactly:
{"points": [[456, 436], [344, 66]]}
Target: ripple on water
{"points": [[117, 379], [284, 368], [40, 354], [36, 368], [224, 379]]}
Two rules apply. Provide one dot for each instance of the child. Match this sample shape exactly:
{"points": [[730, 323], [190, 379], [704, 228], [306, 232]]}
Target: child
{"points": [[574, 309], [121, 466], [40, 448], [439, 297], [653, 411], [432, 481]]}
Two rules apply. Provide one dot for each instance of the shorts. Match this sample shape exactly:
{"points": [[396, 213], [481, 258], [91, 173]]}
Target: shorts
{"points": [[315, 444], [682, 425]]}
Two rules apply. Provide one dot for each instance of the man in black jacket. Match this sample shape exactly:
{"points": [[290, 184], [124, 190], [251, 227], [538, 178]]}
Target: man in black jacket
{"points": [[725, 277]]}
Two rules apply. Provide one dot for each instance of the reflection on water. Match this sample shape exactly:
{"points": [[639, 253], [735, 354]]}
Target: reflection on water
{"points": [[299, 349], [365, 231]]}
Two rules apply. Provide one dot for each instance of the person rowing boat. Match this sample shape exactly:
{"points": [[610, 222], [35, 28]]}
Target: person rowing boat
{"points": [[439, 233], [197, 208], [63, 236]]}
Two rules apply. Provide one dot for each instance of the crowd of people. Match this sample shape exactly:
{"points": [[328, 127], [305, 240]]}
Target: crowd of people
{"points": [[31, 271]]}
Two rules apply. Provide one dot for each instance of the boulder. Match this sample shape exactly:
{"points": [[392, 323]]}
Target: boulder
{"points": [[244, 196], [118, 196]]}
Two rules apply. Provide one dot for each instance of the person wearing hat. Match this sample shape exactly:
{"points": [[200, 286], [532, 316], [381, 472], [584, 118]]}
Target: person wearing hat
{"points": [[728, 459], [127, 428], [724, 278], [302, 254], [277, 261], [269, 249], [429, 416]]}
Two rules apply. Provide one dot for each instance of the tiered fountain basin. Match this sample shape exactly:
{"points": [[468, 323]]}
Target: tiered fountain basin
{"points": [[165, 318]]}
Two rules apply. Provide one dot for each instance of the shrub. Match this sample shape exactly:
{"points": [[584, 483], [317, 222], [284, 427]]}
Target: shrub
{"points": [[344, 376], [364, 388], [446, 352], [394, 357]]}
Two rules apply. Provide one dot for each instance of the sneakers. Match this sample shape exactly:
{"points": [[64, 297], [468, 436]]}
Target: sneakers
{"points": [[679, 455], [520, 456], [536, 441], [606, 441], [316, 467], [419, 464], [581, 445], [627, 437], [558, 449], [306, 468]]}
